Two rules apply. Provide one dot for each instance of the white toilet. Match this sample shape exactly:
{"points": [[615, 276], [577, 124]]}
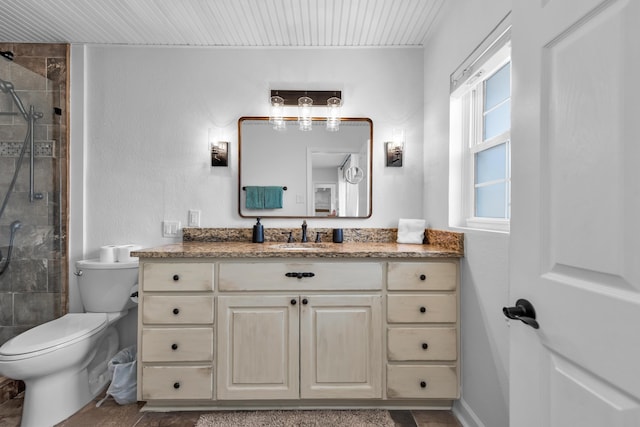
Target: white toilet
{"points": [[63, 363]]}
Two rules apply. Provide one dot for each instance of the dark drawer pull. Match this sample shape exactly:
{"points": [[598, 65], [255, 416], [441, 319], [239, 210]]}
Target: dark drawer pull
{"points": [[423, 384], [176, 385], [305, 301], [174, 346], [176, 277], [423, 277], [423, 309], [294, 301], [299, 275], [425, 346], [176, 311]]}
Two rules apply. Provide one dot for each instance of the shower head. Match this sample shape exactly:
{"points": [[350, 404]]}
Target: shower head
{"points": [[15, 226], [7, 87], [7, 54]]}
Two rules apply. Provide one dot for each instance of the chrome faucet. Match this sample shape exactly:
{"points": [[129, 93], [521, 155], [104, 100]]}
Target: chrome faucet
{"points": [[304, 231]]}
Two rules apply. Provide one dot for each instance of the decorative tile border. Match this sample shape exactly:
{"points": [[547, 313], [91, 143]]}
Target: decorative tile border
{"points": [[41, 149]]}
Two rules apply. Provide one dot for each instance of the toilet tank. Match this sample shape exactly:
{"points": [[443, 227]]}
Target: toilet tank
{"points": [[106, 287]]}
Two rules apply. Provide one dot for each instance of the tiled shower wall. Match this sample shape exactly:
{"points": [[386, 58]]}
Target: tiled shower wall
{"points": [[34, 288]]}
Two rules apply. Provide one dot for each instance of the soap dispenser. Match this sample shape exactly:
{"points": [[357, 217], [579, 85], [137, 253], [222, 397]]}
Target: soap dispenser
{"points": [[258, 233]]}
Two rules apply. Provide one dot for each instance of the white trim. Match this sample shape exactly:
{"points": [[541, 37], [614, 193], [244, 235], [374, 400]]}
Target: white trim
{"points": [[465, 414]]}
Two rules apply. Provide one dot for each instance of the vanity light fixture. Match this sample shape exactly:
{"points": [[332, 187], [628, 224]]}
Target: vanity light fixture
{"points": [[395, 148], [304, 113], [277, 113], [333, 113], [305, 100]]}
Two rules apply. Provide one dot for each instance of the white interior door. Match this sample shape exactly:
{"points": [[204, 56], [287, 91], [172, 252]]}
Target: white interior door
{"points": [[575, 228]]}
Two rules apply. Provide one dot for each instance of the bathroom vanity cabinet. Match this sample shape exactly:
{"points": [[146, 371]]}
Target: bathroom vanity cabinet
{"points": [[298, 331]]}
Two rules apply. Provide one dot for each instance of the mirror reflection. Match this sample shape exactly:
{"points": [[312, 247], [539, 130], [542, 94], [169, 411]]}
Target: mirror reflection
{"points": [[294, 173]]}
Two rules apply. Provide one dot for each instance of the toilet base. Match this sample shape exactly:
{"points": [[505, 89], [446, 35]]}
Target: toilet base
{"points": [[54, 398], [49, 400]]}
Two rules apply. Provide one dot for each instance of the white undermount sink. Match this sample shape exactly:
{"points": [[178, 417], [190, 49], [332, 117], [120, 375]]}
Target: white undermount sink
{"points": [[299, 246]]}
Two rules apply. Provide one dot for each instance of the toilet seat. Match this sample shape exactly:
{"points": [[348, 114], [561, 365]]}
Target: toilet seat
{"points": [[65, 330]]}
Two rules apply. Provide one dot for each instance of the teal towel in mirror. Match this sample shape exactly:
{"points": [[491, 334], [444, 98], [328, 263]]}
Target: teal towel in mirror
{"points": [[273, 197], [255, 197]]}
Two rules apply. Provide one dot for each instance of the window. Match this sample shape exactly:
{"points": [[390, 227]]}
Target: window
{"points": [[480, 139]]}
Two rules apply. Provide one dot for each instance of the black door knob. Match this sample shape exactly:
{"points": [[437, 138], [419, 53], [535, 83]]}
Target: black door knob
{"points": [[176, 310], [176, 385], [423, 277], [305, 301], [176, 277], [423, 384], [423, 309], [174, 346], [522, 311], [425, 346], [293, 301]]}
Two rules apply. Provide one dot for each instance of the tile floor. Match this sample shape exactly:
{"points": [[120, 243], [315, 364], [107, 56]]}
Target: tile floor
{"points": [[110, 414]]}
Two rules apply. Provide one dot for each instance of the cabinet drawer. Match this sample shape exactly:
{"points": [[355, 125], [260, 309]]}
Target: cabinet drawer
{"points": [[425, 276], [177, 309], [265, 276], [435, 382], [422, 344], [178, 276], [422, 308], [177, 345], [177, 382]]}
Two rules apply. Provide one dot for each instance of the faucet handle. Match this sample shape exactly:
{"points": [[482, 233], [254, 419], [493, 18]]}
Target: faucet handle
{"points": [[290, 238], [319, 237]]}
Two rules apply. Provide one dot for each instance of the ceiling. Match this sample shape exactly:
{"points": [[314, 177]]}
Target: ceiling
{"points": [[259, 23]]}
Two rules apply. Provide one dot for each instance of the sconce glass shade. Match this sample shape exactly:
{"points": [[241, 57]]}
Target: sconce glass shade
{"points": [[304, 113], [395, 148], [277, 113], [333, 113]]}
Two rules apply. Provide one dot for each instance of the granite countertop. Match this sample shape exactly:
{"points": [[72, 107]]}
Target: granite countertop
{"points": [[298, 250]]}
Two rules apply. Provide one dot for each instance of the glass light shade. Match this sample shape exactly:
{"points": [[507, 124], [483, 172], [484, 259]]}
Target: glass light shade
{"points": [[333, 113], [277, 113], [304, 113]]}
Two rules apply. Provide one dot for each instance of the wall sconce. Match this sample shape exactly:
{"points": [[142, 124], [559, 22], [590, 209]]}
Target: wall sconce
{"points": [[218, 148], [395, 148], [305, 100], [220, 153]]}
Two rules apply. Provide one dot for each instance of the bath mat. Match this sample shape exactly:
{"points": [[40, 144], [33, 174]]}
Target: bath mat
{"points": [[346, 418]]}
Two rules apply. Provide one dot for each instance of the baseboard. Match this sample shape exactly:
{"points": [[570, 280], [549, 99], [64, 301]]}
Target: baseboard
{"points": [[10, 388], [465, 414]]}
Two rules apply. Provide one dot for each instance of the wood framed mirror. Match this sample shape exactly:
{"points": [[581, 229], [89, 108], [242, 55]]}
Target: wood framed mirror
{"points": [[326, 173]]}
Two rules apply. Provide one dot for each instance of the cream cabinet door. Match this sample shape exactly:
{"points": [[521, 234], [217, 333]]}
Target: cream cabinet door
{"points": [[258, 347], [341, 346]]}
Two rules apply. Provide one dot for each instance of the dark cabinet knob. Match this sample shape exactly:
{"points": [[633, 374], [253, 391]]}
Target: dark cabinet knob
{"points": [[423, 277], [425, 346], [293, 301], [176, 277], [174, 346], [423, 309], [176, 311], [423, 384], [305, 301], [176, 385]]}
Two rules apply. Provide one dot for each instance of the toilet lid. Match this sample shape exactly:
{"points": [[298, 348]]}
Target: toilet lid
{"points": [[59, 331]]}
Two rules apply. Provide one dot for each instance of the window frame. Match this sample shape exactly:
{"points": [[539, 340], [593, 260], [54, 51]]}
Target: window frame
{"points": [[466, 140]]}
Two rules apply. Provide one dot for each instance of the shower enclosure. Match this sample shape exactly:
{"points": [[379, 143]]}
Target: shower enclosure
{"points": [[33, 185]]}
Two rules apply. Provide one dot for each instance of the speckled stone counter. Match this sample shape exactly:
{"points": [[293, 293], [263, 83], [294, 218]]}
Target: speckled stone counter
{"points": [[359, 243]]}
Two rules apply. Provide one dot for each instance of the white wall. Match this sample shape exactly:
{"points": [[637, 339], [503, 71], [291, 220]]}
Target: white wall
{"points": [[139, 150], [484, 288]]}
